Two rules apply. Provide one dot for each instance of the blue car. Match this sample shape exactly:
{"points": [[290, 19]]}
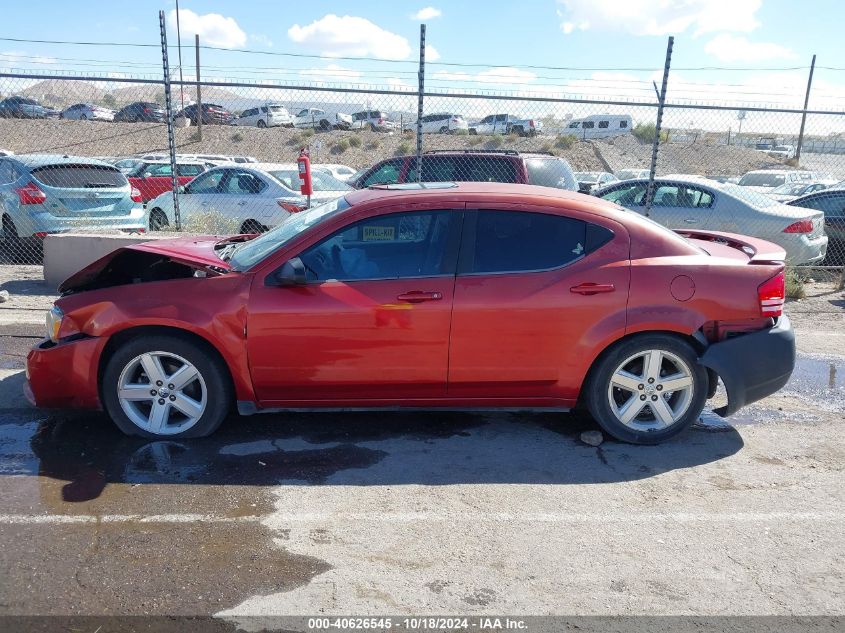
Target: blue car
{"points": [[44, 193]]}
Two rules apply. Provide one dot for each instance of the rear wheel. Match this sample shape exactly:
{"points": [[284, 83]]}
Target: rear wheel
{"points": [[261, 123], [473, 131], [325, 125], [83, 117], [11, 246], [158, 220], [647, 389], [444, 129], [166, 386]]}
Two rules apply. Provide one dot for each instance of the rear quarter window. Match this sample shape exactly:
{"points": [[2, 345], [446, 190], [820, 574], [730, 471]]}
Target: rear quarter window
{"points": [[551, 172], [79, 176]]}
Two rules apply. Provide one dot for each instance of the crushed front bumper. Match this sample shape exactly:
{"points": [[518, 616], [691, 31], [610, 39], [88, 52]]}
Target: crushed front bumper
{"points": [[64, 374], [753, 366]]}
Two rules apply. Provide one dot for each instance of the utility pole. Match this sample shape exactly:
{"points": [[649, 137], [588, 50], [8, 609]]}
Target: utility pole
{"points": [[179, 46], [199, 88], [804, 114], [649, 194], [421, 87]]}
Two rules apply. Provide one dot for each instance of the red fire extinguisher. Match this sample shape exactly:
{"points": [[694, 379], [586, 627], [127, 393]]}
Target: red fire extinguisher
{"points": [[304, 164]]}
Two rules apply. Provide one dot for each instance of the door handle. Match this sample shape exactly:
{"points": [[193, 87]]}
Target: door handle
{"points": [[418, 296], [691, 221], [205, 204], [590, 288], [241, 203]]}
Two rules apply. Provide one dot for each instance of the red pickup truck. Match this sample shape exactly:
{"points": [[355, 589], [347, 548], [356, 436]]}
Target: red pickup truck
{"points": [[153, 178]]}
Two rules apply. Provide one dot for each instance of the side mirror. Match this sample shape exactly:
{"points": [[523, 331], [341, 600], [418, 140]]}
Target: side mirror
{"points": [[292, 273], [181, 189], [146, 175]]}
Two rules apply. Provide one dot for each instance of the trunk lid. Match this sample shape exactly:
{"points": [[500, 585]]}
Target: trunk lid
{"points": [[89, 190], [733, 246]]}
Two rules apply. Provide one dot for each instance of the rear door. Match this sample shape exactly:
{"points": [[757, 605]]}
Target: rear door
{"points": [[536, 294], [683, 206]]}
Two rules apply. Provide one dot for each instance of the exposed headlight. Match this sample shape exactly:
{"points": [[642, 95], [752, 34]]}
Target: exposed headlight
{"points": [[54, 323]]}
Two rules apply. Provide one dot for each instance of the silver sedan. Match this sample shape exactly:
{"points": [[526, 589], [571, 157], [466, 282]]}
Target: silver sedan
{"points": [[690, 202]]}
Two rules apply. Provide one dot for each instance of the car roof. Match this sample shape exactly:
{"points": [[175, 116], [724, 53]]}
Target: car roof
{"points": [[267, 166], [39, 160]]}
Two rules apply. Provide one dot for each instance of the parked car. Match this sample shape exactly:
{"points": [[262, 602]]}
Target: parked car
{"points": [[212, 114], [254, 197], [506, 124], [125, 165], [270, 115], [631, 173], [373, 120], [687, 203], [22, 108], [441, 297], [86, 111], [342, 172], [472, 165], [217, 159], [45, 193], [782, 151], [790, 191], [765, 180], [6, 152], [145, 111], [831, 202], [320, 119], [600, 126], [441, 123], [588, 181], [152, 178]]}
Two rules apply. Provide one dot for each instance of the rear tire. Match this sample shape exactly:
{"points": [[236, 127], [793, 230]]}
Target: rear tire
{"points": [[635, 375], [261, 123], [444, 129], [11, 246], [325, 126], [83, 117], [207, 395]]}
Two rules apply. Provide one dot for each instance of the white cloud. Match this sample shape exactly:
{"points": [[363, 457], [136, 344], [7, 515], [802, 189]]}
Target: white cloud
{"points": [[427, 13], [337, 36], [213, 28], [659, 17], [735, 48], [431, 54], [260, 38]]}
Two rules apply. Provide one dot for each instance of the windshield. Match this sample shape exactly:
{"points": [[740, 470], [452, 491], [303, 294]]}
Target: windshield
{"points": [[587, 175], [320, 180], [762, 180], [790, 189], [751, 197], [255, 250]]}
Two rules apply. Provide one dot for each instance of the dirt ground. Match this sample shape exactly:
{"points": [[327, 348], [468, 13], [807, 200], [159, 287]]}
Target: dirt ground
{"points": [[441, 513]]}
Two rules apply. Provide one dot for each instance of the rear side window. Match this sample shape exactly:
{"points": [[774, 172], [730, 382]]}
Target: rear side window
{"points": [[518, 241], [189, 170], [386, 174], [79, 176], [551, 172], [465, 169]]}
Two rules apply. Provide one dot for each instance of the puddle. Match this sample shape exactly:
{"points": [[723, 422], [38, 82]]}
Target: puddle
{"points": [[820, 380]]}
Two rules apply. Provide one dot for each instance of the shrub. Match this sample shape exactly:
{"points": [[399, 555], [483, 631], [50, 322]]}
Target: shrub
{"points": [[461, 132], [403, 148], [374, 144], [547, 147], [237, 137], [495, 141], [341, 146], [474, 139], [355, 141], [645, 132], [307, 133], [795, 284], [565, 141], [210, 222], [408, 133]]}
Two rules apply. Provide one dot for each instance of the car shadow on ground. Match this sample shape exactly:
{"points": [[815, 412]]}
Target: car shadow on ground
{"points": [[355, 449]]}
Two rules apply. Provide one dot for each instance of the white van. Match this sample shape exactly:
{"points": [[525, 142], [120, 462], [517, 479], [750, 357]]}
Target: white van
{"points": [[600, 126]]}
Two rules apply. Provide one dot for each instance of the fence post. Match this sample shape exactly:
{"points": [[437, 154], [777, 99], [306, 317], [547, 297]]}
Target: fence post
{"points": [[199, 88], [421, 87], [804, 114], [661, 100], [168, 106]]}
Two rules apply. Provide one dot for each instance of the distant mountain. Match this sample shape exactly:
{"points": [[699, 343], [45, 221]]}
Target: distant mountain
{"points": [[62, 92]]}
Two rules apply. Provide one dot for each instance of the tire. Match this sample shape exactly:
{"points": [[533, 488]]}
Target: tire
{"points": [[252, 226], [444, 129], [261, 123], [373, 127], [518, 130], [325, 126], [473, 131], [134, 119], [208, 395], [12, 248], [158, 220], [83, 117], [621, 382]]}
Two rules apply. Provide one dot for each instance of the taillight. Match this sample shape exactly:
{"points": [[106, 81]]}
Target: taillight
{"points": [[290, 206], [530, 122], [772, 294], [801, 226], [381, 121], [146, 110], [31, 194], [136, 195]]}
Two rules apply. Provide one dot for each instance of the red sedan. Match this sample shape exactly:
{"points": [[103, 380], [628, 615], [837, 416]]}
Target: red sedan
{"points": [[153, 178], [476, 295]]}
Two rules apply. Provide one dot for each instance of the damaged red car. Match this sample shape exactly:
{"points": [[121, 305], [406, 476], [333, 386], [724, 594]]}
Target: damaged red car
{"points": [[440, 295]]}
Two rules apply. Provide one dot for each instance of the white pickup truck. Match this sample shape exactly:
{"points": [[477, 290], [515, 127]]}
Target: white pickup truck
{"points": [[319, 119], [506, 124]]}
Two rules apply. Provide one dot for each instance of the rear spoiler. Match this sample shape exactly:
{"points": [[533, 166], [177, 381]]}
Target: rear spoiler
{"points": [[758, 251]]}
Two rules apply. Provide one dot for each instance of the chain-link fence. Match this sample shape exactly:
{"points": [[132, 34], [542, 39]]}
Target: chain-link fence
{"points": [[92, 153]]}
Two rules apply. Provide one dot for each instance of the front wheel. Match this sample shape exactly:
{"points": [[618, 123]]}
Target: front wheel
{"points": [[261, 123], [158, 220], [647, 389], [166, 386]]}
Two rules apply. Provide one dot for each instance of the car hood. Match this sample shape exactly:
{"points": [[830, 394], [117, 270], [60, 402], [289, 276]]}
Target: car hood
{"points": [[196, 252]]}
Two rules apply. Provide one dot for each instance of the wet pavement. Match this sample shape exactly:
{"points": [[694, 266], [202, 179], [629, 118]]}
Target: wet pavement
{"points": [[391, 512]]}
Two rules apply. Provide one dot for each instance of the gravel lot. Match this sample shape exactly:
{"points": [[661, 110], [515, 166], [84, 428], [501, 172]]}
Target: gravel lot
{"points": [[428, 513], [88, 138]]}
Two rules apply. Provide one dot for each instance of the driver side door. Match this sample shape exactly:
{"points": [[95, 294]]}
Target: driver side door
{"points": [[199, 195], [370, 327]]}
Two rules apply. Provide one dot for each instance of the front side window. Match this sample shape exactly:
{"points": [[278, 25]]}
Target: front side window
{"points": [[206, 183], [623, 124], [393, 246], [519, 241], [588, 124], [243, 183], [627, 195]]}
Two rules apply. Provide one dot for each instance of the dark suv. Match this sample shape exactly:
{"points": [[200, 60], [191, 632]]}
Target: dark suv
{"points": [[22, 108], [473, 166], [146, 111], [211, 114]]}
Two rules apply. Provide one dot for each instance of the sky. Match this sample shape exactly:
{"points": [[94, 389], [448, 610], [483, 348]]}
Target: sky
{"points": [[742, 52]]}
